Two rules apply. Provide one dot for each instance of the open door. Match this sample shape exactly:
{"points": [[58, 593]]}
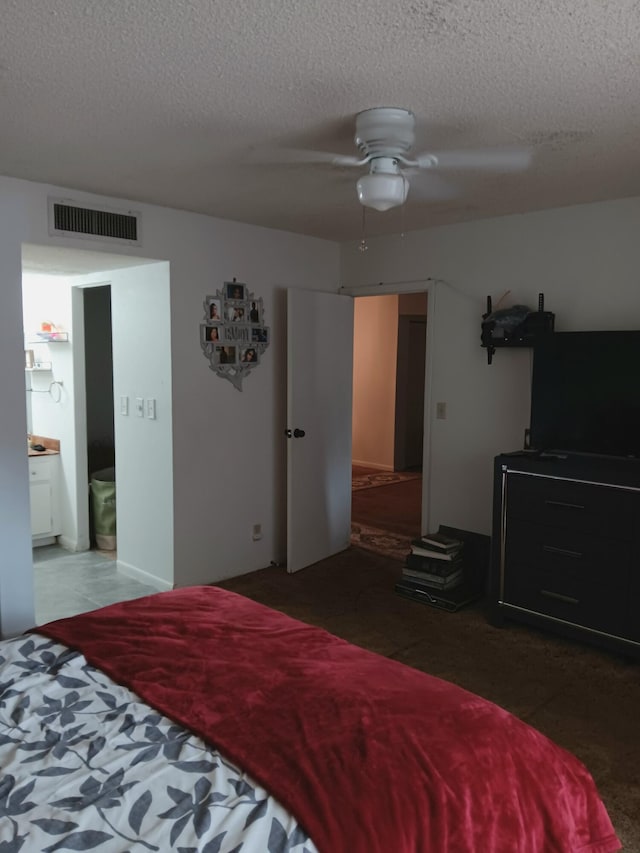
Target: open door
{"points": [[319, 394]]}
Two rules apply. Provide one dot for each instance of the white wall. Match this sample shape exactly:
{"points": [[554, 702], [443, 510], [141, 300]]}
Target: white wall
{"points": [[142, 368], [585, 259], [141, 339], [16, 575], [44, 298], [375, 350], [228, 446]]}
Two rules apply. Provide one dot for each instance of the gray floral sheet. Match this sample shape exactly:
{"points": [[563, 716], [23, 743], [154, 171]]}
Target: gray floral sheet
{"points": [[86, 765]]}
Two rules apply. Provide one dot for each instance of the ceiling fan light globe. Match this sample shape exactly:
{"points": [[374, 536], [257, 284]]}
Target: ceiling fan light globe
{"points": [[382, 192]]}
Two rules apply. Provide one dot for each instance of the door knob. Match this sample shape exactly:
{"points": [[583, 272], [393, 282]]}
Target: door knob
{"points": [[298, 433]]}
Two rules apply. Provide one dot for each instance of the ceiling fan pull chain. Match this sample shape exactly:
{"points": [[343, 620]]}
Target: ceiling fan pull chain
{"points": [[362, 246]]}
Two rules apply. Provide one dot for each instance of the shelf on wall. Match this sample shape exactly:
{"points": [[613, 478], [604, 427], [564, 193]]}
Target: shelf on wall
{"points": [[48, 337], [518, 327]]}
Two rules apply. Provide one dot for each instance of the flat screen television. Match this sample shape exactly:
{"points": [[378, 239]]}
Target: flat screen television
{"points": [[585, 395]]}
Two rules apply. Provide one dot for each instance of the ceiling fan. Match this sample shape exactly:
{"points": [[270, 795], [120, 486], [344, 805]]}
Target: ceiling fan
{"points": [[385, 136]]}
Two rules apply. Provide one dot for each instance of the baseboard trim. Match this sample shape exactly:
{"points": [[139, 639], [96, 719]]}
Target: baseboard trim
{"points": [[144, 577], [43, 540], [375, 465], [72, 544]]}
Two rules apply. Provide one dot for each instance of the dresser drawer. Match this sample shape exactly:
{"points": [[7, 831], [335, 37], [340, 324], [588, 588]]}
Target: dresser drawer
{"points": [[575, 506], [591, 610], [568, 575]]}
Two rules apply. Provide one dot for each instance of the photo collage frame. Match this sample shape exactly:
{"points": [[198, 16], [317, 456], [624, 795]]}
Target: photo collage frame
{"points": [[233, 334]]}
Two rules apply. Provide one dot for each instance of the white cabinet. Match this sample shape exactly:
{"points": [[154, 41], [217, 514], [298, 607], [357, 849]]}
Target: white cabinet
{"points": [[44, 485]]}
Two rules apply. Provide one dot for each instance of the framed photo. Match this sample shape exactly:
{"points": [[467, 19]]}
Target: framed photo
{"points": [[235, 312], [226, 355], [249, 355], [212, 334], [255, 311], [233, 334], [214, 310], [235, 291]]}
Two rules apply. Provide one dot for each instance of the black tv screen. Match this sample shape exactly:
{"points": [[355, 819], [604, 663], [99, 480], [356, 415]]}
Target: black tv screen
{"points": [[585, 394]]}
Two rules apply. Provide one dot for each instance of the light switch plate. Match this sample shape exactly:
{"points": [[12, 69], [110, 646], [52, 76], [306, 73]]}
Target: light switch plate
{"points": [[151, 408], [140, 407], [124, 405]]}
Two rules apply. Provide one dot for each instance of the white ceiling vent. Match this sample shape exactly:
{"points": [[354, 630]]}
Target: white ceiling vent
{"points": [[94, 223]]}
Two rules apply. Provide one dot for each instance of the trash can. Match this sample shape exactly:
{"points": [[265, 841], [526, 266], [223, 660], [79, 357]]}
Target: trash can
{"points": [[103, 507]]}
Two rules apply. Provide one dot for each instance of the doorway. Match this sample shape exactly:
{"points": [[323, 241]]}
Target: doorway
{"points": [[388, 421], [107, 304], [98, 363]]}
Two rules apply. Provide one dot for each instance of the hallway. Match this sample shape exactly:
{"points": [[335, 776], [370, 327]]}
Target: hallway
{"points": [[386, 510]]}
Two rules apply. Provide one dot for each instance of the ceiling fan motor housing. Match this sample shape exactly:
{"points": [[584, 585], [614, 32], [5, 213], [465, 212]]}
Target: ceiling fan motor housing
{"points": [[385, 132]]}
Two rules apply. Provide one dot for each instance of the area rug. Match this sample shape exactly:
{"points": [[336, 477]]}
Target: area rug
{"points": [[392, 545], [381, 478]]}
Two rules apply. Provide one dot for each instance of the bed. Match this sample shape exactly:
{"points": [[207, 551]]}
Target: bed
{"points": [[199, 720]]}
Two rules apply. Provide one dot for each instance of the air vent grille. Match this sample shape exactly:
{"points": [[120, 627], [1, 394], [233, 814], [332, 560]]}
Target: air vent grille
{"points": [[93, 223], [101, 223]]}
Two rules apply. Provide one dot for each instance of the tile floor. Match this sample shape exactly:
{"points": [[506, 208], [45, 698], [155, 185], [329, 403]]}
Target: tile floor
{"points": [[68, 583]]}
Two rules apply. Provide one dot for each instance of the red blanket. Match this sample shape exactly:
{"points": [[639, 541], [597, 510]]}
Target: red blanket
{"points": [[368, 754]]}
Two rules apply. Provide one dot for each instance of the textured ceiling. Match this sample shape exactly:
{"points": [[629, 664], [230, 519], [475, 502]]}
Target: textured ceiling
{"points": [[169, 101]]}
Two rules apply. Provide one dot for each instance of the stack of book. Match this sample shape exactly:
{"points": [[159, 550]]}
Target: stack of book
{"points": [[435, 563]]}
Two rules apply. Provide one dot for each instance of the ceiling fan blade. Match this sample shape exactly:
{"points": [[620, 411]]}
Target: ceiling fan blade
{"points": [[302, 155], [427, 186], [509, 159]]}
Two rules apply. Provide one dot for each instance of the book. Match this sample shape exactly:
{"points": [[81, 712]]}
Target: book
{"points": [[430, 562], [433, 566], [419, 546], [423, 551], [438, 581], [438, 570], [439, 542]]}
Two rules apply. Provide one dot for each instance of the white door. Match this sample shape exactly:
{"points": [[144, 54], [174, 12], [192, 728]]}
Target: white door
{"points": [[319, 394]]}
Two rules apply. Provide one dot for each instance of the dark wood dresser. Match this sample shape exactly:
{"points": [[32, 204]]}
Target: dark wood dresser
{"points": [[566, 546]]}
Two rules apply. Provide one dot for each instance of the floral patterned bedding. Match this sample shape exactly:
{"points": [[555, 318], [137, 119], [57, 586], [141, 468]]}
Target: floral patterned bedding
{"points": [[85, 765]]}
